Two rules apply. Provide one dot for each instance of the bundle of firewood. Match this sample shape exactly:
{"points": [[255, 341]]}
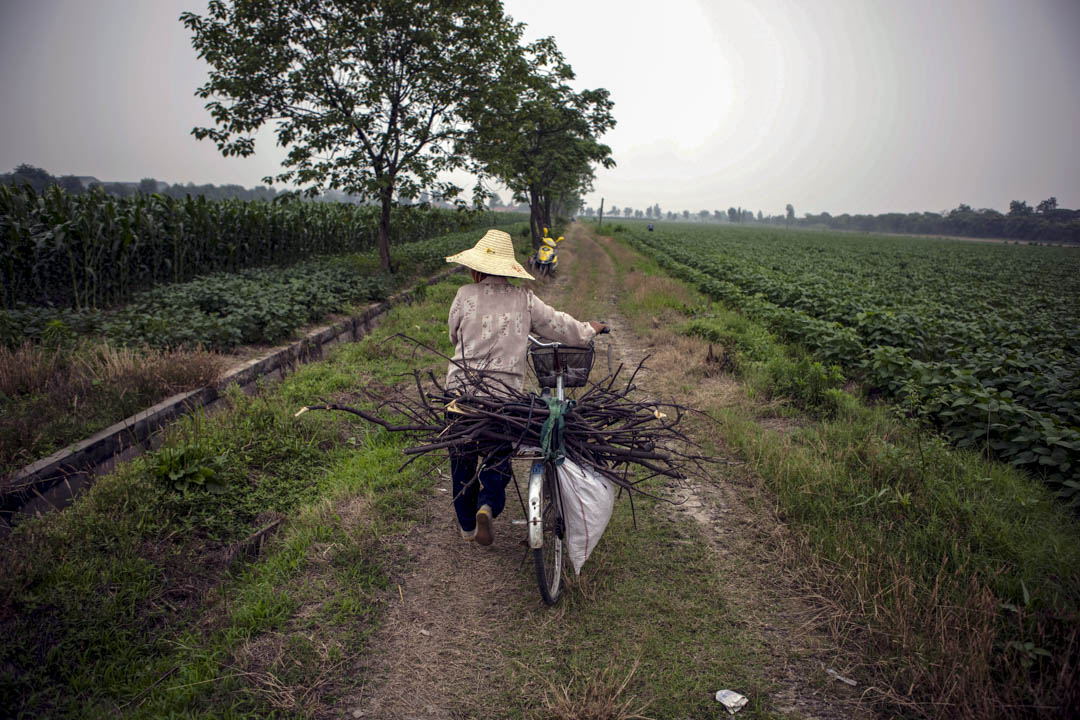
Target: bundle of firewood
{"points": [[605, 428]]}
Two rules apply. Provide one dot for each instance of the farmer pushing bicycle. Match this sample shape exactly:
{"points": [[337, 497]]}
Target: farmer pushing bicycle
{"points": [[490, 321]]}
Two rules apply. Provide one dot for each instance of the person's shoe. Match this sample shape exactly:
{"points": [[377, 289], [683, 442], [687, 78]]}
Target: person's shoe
{"points": [[484, 533], [468, 536]]}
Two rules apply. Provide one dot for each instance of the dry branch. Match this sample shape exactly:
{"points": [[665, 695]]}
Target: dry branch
{"points": [[606, 428]]}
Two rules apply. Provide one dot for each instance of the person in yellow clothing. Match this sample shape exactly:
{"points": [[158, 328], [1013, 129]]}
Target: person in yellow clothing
{"points": [[490, 322]]}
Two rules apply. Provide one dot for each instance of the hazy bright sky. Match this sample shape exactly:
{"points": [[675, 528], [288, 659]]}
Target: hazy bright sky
{"points": [[831, 105]]}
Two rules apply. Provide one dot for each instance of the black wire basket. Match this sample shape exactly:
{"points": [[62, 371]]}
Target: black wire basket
{"points": [[575, 363]]}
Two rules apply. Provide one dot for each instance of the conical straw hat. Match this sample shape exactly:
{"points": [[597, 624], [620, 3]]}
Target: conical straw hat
{"points": [[492, 255]]}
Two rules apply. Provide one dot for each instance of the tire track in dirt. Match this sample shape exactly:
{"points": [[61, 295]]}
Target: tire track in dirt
{"points": [[449, 601]]}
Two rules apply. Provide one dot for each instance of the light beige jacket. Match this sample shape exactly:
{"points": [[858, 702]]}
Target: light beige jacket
{"points": [[490, 322]]}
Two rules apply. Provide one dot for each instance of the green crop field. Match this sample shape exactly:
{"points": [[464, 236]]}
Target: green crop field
{"points": [[93, 251], [982, 340], [108, 305]]}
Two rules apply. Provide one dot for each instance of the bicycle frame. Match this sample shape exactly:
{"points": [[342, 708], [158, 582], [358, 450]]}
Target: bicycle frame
{"points": [[535, 524], [546, 526], [536, 472]]}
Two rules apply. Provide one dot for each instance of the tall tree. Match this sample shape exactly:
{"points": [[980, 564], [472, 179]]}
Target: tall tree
{"points": [[365, 94], [790, 210], [1019, 208], [35, 177], [538, 135], [1048, 205], [71, 184]]}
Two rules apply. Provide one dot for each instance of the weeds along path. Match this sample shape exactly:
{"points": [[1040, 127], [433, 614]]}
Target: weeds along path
{"points": [[662, 616]]}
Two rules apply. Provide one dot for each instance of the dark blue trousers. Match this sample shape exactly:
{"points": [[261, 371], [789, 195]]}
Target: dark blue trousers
{"points": [[489, 488]]}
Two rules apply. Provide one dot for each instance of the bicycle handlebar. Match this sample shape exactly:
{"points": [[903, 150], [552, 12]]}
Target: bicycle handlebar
{"points": [[536, 342]]}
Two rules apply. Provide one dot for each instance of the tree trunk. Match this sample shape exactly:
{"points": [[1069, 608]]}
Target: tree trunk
{"points": [[386, 196], [536, 217]]}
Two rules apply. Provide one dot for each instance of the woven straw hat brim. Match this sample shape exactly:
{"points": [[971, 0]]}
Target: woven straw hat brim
{"points": [[493, 254]]}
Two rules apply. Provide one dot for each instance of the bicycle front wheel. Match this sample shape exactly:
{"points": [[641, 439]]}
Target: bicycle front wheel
{"points": [[548, 557]]}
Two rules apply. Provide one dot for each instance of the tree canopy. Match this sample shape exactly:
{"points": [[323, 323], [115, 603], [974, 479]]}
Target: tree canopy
{"points": [[367, 95], [539, 136]]}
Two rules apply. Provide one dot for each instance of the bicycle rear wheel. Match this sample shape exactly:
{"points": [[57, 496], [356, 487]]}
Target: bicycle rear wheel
{"points": [[548, 557]]}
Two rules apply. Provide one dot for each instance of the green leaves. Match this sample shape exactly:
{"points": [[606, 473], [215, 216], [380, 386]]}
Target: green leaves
{"points": [[93, 250], [189, 467], [536, 134], [367, 95], [255, 306], [980, 342], [223, 310]]}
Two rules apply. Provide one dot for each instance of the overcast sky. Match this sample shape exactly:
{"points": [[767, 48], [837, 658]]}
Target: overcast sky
{"points": [[831, 105]]}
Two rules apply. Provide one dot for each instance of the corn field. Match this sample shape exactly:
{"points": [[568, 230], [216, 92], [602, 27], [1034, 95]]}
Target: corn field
{"points": [[95, 250]]}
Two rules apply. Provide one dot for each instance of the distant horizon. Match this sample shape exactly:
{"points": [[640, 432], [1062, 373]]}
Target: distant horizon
{"points": [[503, 195]]}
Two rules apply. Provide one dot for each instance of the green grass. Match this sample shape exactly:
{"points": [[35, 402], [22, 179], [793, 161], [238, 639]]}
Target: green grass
{"points": [[142, 601], [649, 595]]}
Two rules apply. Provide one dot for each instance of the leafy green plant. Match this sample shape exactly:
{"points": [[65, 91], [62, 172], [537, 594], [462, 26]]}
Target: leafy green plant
{"points": [[57, 335], [983, 340], [189, 467]]}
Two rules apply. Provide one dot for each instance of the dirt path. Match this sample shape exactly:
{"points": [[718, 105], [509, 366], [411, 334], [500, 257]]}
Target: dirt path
{"points": [[452, 599]]}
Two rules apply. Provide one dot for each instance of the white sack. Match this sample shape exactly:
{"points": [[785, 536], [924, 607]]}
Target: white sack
{"points": [[588, 500]]}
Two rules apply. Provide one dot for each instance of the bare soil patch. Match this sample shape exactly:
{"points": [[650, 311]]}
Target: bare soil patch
{"points": [[450, 599]]}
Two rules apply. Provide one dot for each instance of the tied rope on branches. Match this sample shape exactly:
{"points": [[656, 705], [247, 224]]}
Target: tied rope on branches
{"points": [[605, 428]]}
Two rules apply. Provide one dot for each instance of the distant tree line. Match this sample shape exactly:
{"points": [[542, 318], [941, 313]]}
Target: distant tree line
{"points": [[41, 179], [1045, 222], [654, 212]]}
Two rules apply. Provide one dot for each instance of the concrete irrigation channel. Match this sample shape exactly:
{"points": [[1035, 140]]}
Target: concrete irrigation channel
{"points": [[54, 482]]}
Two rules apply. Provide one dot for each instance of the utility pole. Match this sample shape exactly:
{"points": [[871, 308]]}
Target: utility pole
{"points": [[601, 213]]}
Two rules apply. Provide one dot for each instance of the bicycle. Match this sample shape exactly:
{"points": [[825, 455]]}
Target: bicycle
{"points": [[557, 367]]}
